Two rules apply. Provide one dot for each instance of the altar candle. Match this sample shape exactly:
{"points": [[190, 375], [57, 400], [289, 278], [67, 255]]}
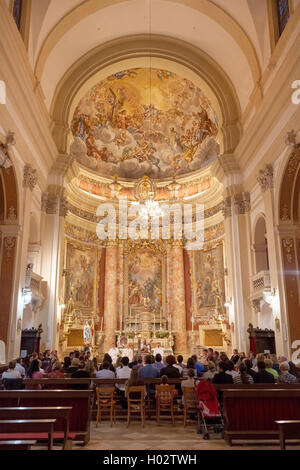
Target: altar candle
{"points": [[101, 328]]}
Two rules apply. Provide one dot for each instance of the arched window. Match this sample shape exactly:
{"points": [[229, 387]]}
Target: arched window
{"points": [[21, 11], [279, 13], [283, 14]]}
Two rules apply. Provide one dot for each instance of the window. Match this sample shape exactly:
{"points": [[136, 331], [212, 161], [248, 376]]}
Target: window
{"points": [[283, 13], [17, 12]]}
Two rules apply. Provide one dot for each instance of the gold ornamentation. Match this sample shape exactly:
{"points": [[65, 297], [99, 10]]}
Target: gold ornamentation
{"points": [[9, 244], [12, 214], [242, 203], [285, 213], [265, 178], [226, 207], [30, 177], [145, 189], [288, 245]]}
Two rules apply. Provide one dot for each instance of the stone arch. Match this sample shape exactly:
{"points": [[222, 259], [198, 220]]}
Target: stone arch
{"points": [[290, 188], [288, 227], [161, 47], [206, 7]]}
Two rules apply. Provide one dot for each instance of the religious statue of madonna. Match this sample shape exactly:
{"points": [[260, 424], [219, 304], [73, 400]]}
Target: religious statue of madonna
{"points": [[87, 333]]}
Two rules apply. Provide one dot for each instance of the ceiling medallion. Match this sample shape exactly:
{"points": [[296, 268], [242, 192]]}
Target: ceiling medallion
{"points": [[145, 189]]}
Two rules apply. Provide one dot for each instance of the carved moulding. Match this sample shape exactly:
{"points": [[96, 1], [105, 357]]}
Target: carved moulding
{"points": [[242, 203], [226, 207], [265, 178], [288, 249], [9, 244], [30, 177]]}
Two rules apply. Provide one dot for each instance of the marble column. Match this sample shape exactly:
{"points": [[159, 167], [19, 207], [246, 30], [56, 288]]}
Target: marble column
{"points": [[29, 183], [111, 295], [237, 241], [54, 211], [176, 291], [120, 286]]}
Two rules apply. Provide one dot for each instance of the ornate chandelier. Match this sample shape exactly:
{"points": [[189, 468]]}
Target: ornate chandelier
{"points": [[150, 208]]}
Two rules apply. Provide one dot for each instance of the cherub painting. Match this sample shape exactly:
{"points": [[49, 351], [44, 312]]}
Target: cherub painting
{"points": [[145, 121]]}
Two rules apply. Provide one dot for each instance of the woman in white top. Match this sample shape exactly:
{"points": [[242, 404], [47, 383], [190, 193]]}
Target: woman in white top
{"points": [[210, 373], [12, 372]]}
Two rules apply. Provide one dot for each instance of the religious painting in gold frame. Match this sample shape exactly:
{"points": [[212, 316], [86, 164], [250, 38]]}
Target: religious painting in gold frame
{"points": [[145, 287], [81, 276], [75, 338], [212, 337], [209, 282]]}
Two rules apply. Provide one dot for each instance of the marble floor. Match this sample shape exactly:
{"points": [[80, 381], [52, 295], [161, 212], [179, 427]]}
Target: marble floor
{"points": [[163, 437]]}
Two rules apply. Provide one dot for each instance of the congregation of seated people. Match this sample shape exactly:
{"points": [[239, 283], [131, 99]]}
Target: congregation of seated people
{"points": [[214, 366]]}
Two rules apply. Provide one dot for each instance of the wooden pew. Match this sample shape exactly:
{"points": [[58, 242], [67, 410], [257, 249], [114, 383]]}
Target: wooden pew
{"points": [[252, 414], [17, 445], [79, 400], [17, 428], [289, 429], [49, 412]]}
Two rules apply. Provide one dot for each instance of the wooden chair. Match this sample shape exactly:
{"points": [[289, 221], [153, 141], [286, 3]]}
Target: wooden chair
{"points": [[136, 402], [190, 405], [164, 401], [106, 401], [288, 429]]}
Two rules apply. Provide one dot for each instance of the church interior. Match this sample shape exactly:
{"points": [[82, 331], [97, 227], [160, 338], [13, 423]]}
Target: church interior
{"points": [[150, 192]]}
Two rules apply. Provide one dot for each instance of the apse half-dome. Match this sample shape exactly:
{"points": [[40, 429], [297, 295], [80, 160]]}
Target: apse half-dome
{"points": [[144, 121]]}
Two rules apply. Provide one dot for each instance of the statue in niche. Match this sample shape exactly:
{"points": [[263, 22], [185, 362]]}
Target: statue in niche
{"points": [[87, 333]]}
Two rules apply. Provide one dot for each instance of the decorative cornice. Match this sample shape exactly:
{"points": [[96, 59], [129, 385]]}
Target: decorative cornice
{"points": [[79, 233], [265, 178], [242, 203], [30, 178]]}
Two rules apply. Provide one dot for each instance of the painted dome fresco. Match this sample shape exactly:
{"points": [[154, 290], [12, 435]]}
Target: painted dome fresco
{"points": [[144, 121]]}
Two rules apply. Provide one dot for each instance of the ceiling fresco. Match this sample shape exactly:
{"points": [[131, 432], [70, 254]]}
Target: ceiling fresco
{"points": [[144, 121]]}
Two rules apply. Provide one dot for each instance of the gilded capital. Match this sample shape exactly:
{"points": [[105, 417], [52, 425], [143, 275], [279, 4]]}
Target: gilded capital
{"points": [[30, 177], [242, 203], [226, 207], [265, 178]]}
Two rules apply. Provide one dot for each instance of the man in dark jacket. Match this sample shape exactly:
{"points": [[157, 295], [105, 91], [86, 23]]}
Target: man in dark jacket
{"points": [[80, 373], [221, 377], [170, 371], [235, 356], [262, 376]]}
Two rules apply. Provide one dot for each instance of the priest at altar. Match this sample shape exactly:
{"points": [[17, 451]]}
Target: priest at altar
{"points": [[114, 353], [158, 350], [127, 352]]}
